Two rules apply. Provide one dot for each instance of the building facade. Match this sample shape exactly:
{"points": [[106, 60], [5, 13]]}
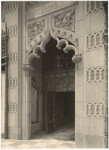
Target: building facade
{"points": [[52, 50]]}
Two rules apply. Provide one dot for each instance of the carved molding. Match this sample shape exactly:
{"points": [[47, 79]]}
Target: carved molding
{"points": [[95, 110], [95, 74]]}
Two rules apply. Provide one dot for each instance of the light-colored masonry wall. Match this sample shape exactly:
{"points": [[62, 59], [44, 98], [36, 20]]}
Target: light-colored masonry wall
{"points": [[89, 75], [90, 103], [12, 14]]}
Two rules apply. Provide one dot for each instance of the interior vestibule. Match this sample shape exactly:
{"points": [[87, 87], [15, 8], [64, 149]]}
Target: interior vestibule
{"points": [[53, 90]]}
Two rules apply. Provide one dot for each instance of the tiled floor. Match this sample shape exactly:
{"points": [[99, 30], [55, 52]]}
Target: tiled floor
{"points": [[63, 138]]}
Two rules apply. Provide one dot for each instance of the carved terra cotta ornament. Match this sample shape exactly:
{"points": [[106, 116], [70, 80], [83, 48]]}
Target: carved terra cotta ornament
{"points": [[42, 45], [77, 58], [27, 67], [65, 20]]}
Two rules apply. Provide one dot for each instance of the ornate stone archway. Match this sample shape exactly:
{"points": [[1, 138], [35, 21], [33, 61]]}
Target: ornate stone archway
{"points": [[36, 43]]}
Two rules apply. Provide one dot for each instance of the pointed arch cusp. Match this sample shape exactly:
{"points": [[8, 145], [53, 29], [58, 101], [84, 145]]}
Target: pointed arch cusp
{"points": [[61, 43], [31, 57], [38, 48], [68, 48], [42, 46]]}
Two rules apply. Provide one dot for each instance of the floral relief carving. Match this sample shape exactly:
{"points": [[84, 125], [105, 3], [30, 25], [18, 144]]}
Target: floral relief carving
{"points": [[95, 74], [65, 20], [95, 110], [35, 29]]}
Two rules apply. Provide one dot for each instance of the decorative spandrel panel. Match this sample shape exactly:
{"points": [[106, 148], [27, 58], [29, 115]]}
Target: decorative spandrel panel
{"points": [[60, 24], [65, 20], [35, 29], [63, 23]]}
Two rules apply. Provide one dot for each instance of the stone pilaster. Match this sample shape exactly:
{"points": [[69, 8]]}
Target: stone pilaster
{"points": [[26, 128]]}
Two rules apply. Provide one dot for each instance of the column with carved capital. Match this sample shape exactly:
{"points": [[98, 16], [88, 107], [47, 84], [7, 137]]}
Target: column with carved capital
{"points": [[26, 129]]}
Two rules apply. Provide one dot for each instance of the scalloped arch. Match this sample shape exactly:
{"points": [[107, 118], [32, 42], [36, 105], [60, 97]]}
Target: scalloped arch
{"points": [[36, 48]]}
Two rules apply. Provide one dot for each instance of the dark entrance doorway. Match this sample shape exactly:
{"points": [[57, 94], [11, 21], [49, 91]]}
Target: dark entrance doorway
{"points": [[59, 110], [58, 82]]}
